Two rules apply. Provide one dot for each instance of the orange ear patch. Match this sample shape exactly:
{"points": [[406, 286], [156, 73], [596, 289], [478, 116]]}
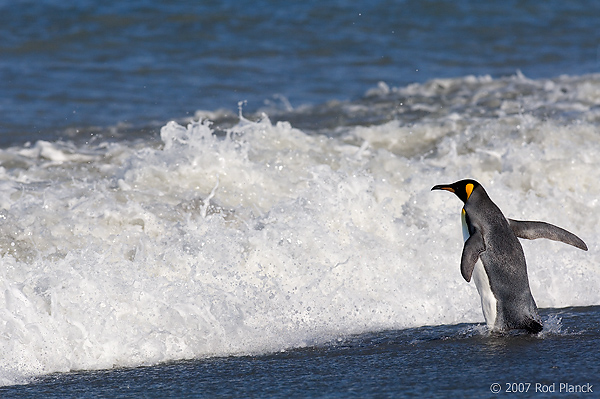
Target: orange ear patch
{"points": [[469, 189]]}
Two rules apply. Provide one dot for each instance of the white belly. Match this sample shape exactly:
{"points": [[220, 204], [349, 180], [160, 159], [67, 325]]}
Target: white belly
{"points": [[482, 282], [488, 300]]}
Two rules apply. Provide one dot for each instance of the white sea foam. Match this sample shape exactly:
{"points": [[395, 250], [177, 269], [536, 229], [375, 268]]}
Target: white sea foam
{"points": [[126, 254]]}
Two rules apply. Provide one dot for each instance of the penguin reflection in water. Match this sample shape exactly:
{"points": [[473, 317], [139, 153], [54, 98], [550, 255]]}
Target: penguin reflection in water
{"points": [[493, 256]]}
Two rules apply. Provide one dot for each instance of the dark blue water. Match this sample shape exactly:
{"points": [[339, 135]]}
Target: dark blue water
{"points": [[68, 66], [433, 362]]}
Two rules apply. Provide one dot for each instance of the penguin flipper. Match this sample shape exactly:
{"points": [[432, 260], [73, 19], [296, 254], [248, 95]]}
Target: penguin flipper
{"points": [[531, 230], [474, 246]]}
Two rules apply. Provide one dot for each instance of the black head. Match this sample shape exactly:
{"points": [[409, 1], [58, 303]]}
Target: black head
{"points": [[462, 188]]}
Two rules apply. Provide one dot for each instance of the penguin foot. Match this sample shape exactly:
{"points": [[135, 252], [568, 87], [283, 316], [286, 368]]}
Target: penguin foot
{"points": [[533, 326]]}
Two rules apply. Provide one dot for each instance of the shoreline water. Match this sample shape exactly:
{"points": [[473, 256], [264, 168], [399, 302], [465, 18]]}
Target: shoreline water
{"points": [[435, 361]]}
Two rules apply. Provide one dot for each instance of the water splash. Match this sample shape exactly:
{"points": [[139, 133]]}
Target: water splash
{"points": [[127, 253]]}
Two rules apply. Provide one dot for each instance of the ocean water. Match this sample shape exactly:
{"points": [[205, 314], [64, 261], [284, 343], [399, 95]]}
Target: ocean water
{"points": [[233, 199], [131, 66], [437, 362]]}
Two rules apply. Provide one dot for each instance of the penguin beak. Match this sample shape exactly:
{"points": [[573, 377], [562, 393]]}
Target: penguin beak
{"points": [[443, 187]]}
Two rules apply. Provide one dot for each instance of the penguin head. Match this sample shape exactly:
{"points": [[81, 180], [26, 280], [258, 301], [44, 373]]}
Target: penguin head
{"points": [[462, 188]]}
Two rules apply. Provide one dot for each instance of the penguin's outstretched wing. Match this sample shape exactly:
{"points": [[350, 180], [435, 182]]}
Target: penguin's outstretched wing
{"points": [[474, 246], [532, 230]]}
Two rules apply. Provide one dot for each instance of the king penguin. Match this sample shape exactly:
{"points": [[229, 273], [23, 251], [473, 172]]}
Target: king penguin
{"points": [[493, 256]]}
